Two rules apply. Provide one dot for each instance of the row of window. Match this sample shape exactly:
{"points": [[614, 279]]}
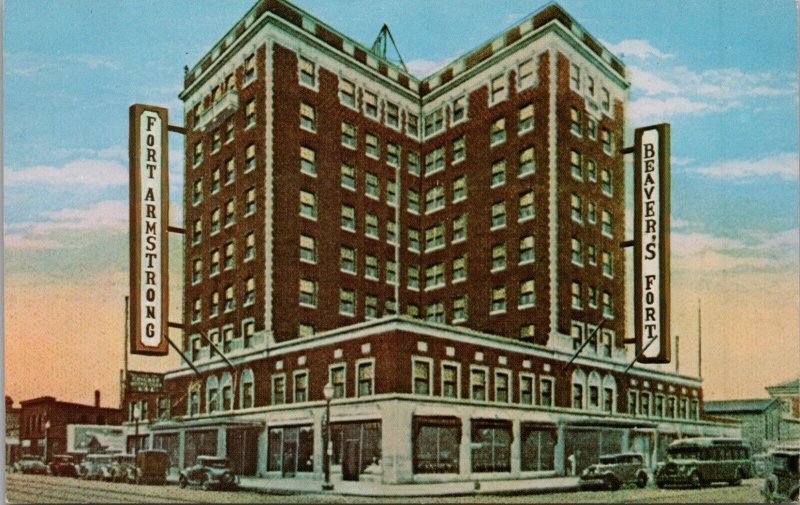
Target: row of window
{"points": [[577, 128], [581, 82], [600, 341], [223, 176], [592, 295], [593, 392], [224, 259], [223, 339], [580, 165], [218, 219], [644, 403], [228, 303]]}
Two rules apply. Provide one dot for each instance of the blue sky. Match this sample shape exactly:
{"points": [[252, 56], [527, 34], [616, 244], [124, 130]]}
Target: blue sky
{"points": [[723, 73]]}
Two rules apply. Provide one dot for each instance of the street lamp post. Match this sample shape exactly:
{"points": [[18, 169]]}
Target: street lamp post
{"points": [[46, 435], [327, 392], [136, 414]]}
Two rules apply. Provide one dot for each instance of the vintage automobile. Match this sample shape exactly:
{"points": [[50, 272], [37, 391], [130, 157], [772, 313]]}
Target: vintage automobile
{"points": [[64, 465], [615, 470], [782, 485], [701, 461], [152, 467], [123, 468], [210, 472], [30, 464], [96, 467]]}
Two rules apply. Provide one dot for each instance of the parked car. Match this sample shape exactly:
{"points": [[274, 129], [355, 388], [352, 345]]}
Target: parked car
{"points": [[152, 466], [210, 472], [783, 483], [30, 464], [64, 465], [96, 467], [123, 468], [615, 470]]}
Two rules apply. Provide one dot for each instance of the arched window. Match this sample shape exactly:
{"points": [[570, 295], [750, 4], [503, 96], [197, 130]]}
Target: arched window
{"points": [[595, 384], [247, 389], [226, 388], [609, 394], [212, 394], [578, 389]]}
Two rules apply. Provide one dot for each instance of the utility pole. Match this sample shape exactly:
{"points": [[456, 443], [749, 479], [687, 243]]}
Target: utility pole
{"points": [[699, 341], [677, 354], [125, 354]]}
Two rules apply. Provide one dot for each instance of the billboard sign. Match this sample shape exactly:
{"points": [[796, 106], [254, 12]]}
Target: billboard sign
{"points": [[149, 222], [145, 382], [651, 243]]}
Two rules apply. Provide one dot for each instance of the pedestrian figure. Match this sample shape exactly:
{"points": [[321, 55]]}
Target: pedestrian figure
{"points": [[571, 461]]}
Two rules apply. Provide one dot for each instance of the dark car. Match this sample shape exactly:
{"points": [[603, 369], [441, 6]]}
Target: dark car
{"points": [[783, 484], [123, 468], [64, 465], [210, 472], [30, 464], [615, 470]]}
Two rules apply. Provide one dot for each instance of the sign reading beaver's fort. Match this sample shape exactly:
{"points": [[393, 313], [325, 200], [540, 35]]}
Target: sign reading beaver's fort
{"points": [[651, 239], [149, 222]]}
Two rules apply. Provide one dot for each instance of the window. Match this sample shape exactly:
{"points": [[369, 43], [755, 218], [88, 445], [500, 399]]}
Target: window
{"points": [[230, 299], [460, 228], [391, 232], [250, 114], [372, 186], [347, 302], [526, 252], [526, 389], [491, 445], [250, 69], [390, 306], [214, 263], [498, 89], [348, 218], [590, 85], [413, 240], [308, 74], [230, 171], [300, 386], [502, 385], [308, 249], [526, 118], [371, 228], [593, 297], [460, 309], [460, 268], [477, 384], [605, 100], [198, 153], [594, 396], [498, 257], [349, 135], [391, 192], [434, 276], [592, 213], [633, 397], [250, 247], [422, 377], [413, 277], [434, 161], [371, 267], [412, 125], [197, 191], [308, 117], [608, 264], [459, 188], [525, 75], [608, 305], [527, 295], [214, 304], [434, 313], [497, 132], [373, 145], [337, 379], [434, 122], [347, 259], [591, 128], [606, 223], [392, 154], [212, 394], [576, 332], [197, 271], [365, 371], [498, 215], [592, 253], [308, 293], [575, 164], [459, 109], [434, 237], [347, 93], [527, 162], [450, 380], [606, 341], [605, 181], [413, 201], [308, 205], [459, 149], [230, 212], [391, 272], [644, 404], [607, 139], [278, 389], [215, 181], [370, 104], [498, 173], [215, 221], [230, 255], [546, 391], [413, 163], [250, 291], [577, 295], [575, 77], [348, 176], [498, 300], [576, 121], [308, 161], [658, 406], [577, 395], [526, 210], [434, 199], [392, 114], [577, 252], [250, 158], [197, 310]]}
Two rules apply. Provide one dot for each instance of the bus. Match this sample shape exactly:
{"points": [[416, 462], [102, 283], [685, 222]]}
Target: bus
{"points": [[701, 461]]}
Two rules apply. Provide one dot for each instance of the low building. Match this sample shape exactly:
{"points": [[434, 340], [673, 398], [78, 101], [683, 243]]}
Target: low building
{"points": [[12, 432], [760, 419], [789, 394]]}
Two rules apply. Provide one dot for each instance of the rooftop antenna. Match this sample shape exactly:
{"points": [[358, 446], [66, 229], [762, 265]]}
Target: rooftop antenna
{"points": [[381, 46]]}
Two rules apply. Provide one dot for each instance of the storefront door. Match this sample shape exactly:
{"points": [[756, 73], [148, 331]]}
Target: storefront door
{"points": [[351, 463]]}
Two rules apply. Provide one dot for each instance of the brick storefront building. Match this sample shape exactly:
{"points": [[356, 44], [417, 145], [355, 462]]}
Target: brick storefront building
{"points": [[437, 249]]}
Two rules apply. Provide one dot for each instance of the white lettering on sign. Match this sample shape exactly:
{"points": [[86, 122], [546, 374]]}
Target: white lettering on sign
{"points": [[150, 233], [649, 235]]}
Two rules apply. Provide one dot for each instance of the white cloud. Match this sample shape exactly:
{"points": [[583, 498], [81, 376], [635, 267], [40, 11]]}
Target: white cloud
{"points": [[687, 244], [109, 215], [647, 109], [92, 173], [757, 250], [637, 48], [650, 83], [714, 261], [17, 241], [785, 166], [95, 61], [424, 68]]}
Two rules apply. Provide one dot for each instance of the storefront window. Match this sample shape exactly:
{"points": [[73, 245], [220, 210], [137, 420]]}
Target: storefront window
{"points": [[199, 443], [491, 446], [537, 447], [290, 450], [357, 447], [436, 444]]}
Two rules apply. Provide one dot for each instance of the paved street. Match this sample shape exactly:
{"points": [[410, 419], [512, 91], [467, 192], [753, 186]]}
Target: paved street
{"points": [[47, 489]]}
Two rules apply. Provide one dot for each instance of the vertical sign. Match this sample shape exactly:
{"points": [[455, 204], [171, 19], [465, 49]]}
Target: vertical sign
{"points": [[651, 238], [149, 221]]}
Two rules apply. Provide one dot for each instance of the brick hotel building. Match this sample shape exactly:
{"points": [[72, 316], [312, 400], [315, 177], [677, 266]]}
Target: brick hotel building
{"points": [[436, 248]]}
